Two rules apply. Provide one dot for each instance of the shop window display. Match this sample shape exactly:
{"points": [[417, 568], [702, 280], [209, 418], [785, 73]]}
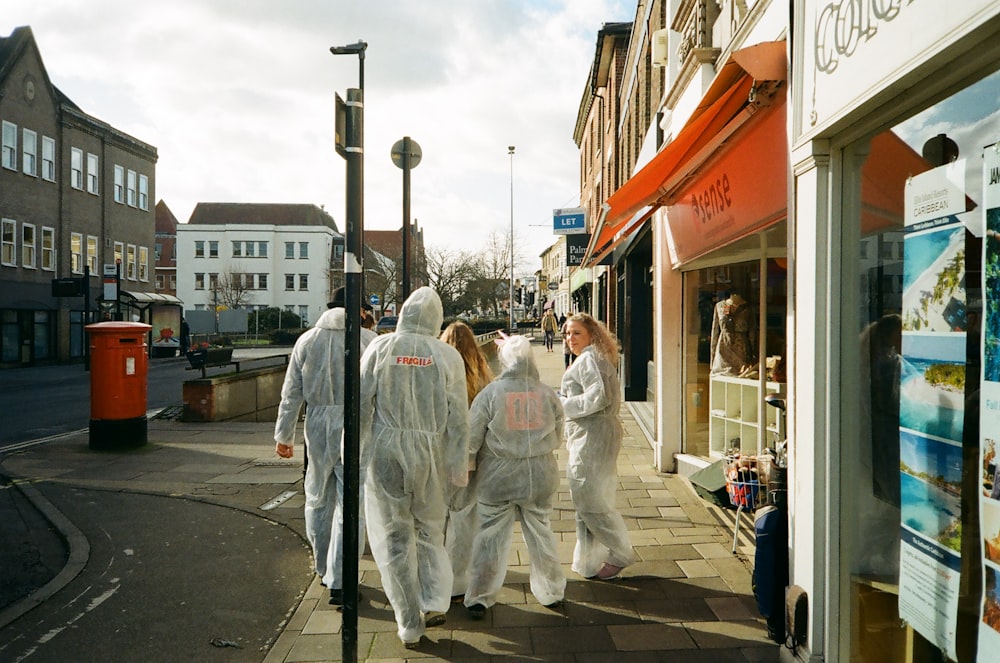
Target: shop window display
{"points": [[734, 347], [913, 477]]}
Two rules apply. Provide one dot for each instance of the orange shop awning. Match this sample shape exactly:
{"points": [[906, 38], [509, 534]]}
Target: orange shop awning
{"points": [[625, 231], [645, 187], [742, 189], [728, 94]]}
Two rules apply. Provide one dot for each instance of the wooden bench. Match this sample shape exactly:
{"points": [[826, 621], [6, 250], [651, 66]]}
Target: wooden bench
{"points": [[233, 362]]}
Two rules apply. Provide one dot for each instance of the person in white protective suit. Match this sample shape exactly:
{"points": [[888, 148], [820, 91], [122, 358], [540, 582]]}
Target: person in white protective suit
{"points": [[414, 441], [463, 514], [591, 398], [515, 428], [315, 376]]}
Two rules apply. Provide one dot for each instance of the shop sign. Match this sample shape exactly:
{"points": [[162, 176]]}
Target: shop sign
{"points": [[855, 49], [571, 221], [740, 192], [576, 248], [932, 404]]}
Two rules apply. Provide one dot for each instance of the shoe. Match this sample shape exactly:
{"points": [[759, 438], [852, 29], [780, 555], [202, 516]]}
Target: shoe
{"points": [[608, 571], [554, 605], [477, 611], [337, 596], [434, 619], [411, 645]]}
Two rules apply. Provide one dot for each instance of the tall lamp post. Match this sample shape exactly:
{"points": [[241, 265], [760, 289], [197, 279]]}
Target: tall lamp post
{"points": [[350, 145], [510, 151]]}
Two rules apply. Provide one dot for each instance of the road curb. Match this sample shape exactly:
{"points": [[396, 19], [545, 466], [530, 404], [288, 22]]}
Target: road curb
{"points": [[79, 552]]}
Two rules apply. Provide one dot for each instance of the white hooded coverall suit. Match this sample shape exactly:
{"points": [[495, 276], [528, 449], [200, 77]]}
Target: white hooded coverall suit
{"points": [[414, 441], [516, 427], [315, 376], [591, 399]]}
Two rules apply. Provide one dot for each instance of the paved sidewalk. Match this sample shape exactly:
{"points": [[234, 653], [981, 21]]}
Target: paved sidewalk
{"points": [[688, 598]]}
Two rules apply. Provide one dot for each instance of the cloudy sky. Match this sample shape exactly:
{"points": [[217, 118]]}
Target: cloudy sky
{"points": [[238, 98]]}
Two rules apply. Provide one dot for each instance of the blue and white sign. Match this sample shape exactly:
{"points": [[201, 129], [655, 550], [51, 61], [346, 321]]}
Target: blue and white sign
{"points": [[373, 300], [571, 221]]}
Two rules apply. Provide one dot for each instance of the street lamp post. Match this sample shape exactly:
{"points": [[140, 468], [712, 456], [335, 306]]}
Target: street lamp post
{"points": [[351, 146], [510, 151]]}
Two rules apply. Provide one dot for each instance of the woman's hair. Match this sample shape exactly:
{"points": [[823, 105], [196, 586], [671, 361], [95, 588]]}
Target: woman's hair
{"points": [[603, 341], [477, 372]]}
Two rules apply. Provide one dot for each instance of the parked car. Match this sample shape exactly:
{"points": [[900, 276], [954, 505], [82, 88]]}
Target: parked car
{"points": [[386, 324]]}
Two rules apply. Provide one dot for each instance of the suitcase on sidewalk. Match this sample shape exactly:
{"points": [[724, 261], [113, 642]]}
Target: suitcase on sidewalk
{"points": [[770, 571]]}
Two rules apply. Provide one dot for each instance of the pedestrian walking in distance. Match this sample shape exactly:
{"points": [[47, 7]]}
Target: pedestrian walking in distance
{"points": [[549, 326]]}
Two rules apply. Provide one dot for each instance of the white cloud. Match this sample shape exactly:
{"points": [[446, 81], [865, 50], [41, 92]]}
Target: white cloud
{"points": [[237, 96]]}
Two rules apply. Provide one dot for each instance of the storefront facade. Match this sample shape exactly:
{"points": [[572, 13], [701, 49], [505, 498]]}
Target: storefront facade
{"points": [[893, 126]]}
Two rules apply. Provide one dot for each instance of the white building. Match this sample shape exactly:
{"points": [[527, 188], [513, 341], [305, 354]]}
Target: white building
{"points": [[256, 256]]}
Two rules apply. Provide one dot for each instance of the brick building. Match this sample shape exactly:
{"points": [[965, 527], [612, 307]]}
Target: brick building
{"points": [[75, 196]]}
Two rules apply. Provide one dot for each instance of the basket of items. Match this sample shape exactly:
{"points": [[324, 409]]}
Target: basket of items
{"points": [[745, 479]]}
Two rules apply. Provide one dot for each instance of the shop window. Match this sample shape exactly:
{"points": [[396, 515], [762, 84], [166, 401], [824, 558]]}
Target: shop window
{"points": [[911, 462], [734, 347], [10, 337]]}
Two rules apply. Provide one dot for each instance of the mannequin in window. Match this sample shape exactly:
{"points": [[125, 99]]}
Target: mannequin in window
{"points": [[734, 337]]}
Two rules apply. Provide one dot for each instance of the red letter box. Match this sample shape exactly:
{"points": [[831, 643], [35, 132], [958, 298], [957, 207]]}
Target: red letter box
{"points": [[119, 364]]}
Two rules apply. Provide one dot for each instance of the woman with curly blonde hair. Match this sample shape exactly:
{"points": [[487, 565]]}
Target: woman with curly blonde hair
{"points": [[463, 517], [591, 398]]}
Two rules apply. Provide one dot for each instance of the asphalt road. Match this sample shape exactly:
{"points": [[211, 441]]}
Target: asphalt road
{"points": [[41, 401], [166, 578]]}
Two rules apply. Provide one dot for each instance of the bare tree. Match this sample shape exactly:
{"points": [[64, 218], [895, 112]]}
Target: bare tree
{"points": [[381, 276], [450, 273], [491, 279], [233, 289]]}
